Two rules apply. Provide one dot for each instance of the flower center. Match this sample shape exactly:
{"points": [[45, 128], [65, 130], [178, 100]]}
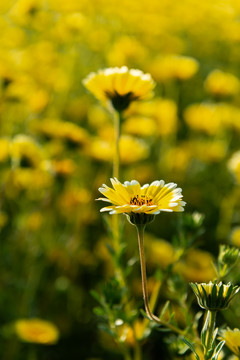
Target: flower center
{"points": [[121, 102], [141, 200]]}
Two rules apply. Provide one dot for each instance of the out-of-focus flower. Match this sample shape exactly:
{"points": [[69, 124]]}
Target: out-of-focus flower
{"points": [[139, 125], [232, 339], [204, 117], [25, 152], [131, 149], [4, 149], [171, 67], [234, 165], [197, 265], [235, 236], [37, 331], [63, 168], [214, 296], [126, 50], [72, 198], [69, 132], [160, 253], [163, 111], [221, 83], [120, 86], [130, 197]]}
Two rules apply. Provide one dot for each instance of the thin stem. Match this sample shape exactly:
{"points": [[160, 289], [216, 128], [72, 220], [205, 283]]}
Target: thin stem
{"points": [[140, 232], [211, 327], [116, 159]]}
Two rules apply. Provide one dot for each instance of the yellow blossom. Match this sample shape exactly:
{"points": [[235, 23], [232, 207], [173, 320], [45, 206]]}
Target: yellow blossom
{"points": [[221, 83], [119, 86], [235, 236], [25, 152], [160, 253], [232, 339], [139, 125], [173, 67], [130, 197], [4, 149], [204, 117], [126, 50], [37, 331], [197, 265], [131, 149]]}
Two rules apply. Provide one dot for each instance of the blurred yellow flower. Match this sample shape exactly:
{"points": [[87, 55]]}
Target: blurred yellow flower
{"points": [[139, 125], [63, 167], [25, 152], [197, 266], [221, 83], [234, 165], [171, 67], [235, 236], [232, 339], [37, 331], [130, 197], [70, 132], [120, 86], [162, 111], [204, 117], [131, 149], [160, 253], [4, 149], [126, 50]]}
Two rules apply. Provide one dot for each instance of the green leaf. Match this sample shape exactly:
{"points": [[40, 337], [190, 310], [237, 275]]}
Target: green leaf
{"points": [[190, 345], [164, 309], [96, 296], [218, 350], [205, 329]]}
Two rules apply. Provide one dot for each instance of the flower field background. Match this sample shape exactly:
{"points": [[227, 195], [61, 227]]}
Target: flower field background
{"points": [[56, 150]]}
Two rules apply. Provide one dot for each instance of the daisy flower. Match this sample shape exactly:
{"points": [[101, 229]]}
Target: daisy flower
{"points": [[136, 201], [119, 86]]}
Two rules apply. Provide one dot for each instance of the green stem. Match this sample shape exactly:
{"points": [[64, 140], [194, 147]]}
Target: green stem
{"points": [[140, 232], [116, 159], [137, 351], [211, 327]]}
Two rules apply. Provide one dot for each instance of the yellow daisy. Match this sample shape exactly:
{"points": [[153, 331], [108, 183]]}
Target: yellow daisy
{"points": [[120, 86], [130, 197]]}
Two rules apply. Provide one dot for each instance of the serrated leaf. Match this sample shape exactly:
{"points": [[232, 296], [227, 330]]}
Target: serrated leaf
{"points": [[191, 347]]}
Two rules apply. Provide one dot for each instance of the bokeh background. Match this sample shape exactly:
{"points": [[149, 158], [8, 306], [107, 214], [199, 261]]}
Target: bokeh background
{"points": [[56, 149]]}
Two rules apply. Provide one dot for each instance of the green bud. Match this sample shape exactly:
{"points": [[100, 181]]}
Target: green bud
{"points": [[214, 296], [228, 255]]}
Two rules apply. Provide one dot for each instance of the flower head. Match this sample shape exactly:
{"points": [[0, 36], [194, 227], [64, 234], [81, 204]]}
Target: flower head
{"points": [[214, 296], [136, 201], [37, 331], [232, 339], [120, 86]]}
